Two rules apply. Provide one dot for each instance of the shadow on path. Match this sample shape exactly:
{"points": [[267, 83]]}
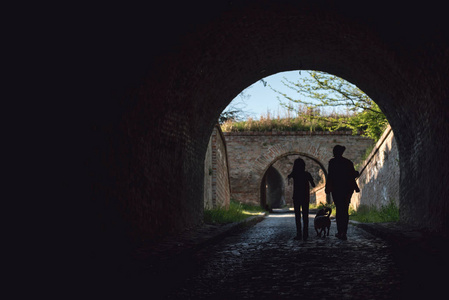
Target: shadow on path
{"points": [[259, 258], [265, 262]]}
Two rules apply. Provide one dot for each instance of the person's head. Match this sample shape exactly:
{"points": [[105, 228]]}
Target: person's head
{"points": [[338, 150], [299, 165]]}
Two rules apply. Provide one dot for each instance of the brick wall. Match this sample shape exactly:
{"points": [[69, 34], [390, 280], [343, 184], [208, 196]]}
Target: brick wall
{"points": [[208, 171], [379, 174], [318, 196], [217, 189], [251, 153], [150, 104]]}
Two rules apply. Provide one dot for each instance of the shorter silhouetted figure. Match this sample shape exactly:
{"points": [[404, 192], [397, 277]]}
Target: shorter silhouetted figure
{"points": [[341, 183], [301, 197]]}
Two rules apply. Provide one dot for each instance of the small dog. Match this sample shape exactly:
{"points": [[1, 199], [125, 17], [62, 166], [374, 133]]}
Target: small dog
{"points": [[323, 221]]}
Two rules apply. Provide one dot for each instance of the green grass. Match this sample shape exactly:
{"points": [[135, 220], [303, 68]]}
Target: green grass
{"points": [[237, 212], [300, 122], [367, 214]]}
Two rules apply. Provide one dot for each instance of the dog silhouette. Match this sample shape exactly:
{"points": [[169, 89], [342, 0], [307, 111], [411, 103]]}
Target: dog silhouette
{"points": [[323, 221]]}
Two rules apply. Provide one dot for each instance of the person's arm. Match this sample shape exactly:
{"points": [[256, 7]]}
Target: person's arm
{"points": [[356, 174], [311, 180], [288, 177], [328, 187]]}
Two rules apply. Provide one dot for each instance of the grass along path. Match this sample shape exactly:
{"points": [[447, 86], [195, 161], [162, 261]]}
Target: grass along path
{"points": [[237, 212]]}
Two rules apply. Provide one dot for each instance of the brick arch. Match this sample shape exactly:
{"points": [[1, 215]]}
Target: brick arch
{"points": [[315, 159], [285, 154], [320, 155], [270, 177], [158, 93], [251, 153]]}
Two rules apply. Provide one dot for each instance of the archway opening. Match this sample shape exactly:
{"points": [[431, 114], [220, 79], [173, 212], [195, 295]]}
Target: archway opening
{"points": [[147, 156], [282, 166], [356, 113], [274, 194]]}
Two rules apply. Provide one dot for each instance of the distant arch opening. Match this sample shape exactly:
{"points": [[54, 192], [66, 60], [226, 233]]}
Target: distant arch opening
{"points": [[152, 117], [271, 186], [274, 189]]}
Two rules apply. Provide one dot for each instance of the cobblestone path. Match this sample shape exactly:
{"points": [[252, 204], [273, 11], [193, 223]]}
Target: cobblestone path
{"points": [[266, 262]]}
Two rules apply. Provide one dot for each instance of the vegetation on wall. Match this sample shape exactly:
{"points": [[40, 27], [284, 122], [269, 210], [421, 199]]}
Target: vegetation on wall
{"points": [[305, 120], [317, 93]]}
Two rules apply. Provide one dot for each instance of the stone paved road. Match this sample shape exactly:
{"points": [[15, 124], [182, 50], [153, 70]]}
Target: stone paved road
{"points": [[265, 262]]}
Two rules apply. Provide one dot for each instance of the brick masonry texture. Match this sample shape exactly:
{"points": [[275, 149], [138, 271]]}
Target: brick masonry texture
{"points": [[252, 153], [379, 174], [149, 99], [217, 189]]}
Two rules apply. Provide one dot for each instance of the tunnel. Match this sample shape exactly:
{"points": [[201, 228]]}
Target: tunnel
{"points": [[274, 194], [158, 80]]}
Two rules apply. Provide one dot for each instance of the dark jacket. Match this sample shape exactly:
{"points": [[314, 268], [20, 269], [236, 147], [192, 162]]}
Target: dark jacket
{"points": [[341, 176]]}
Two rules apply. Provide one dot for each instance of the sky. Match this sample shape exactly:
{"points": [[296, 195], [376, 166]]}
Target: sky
{"points": [[257, 99]]}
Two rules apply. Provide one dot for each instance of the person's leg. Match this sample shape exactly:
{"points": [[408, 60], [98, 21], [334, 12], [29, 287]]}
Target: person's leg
{"points": [[343, 220], [338, 218], [305, 220], [345, 214], [342, 216], [297, 219], [338, 215]]}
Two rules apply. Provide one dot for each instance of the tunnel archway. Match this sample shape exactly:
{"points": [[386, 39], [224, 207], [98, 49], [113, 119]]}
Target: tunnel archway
{"points": [[272, 189], [146, 162]]}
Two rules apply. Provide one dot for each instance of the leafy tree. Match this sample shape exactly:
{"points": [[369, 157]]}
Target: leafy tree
{"points": [[235, 111], [233, 115], [331, 91]]}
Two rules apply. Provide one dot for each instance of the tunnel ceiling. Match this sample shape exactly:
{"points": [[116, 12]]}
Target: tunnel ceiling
{"points": [[159, 78]]}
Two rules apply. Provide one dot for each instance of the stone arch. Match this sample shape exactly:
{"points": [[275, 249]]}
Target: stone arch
{"points": [[251, 153], [272, 189], [288, 153], [154, 104], [319, 159]]}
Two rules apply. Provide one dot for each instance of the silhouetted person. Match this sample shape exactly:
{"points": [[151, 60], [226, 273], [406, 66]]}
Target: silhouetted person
{"points": [[301, 197], [341, 183]]}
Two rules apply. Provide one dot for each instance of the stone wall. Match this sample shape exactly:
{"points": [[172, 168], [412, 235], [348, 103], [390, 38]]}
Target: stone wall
{"points": [[208, 171], [143, 109], [318, 196], [217, 189], [252, 153], [275, 189], [379, 174]]}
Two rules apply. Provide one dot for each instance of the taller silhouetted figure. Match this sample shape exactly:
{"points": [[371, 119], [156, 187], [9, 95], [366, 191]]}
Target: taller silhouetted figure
{"points": [[341, 183], [301, 197]]}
